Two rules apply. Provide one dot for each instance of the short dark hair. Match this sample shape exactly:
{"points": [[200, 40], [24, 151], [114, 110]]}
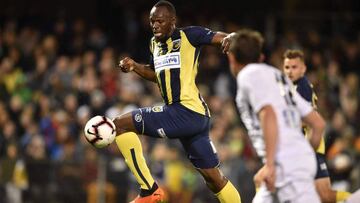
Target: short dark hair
{"points": [[247, 46], [168, 5], [294, 53]]}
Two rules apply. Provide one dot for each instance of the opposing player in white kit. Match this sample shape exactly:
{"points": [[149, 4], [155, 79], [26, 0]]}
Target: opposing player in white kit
{"points": [[272, 113]]}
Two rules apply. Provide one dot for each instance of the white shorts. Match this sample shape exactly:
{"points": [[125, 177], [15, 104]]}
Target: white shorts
{"points": [[293, 192], [294, 182], [354, 198]]}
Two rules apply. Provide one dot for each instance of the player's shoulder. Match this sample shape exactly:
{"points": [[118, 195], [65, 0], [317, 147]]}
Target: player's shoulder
{"points": [[255, 73], [304, 82], [193, 28], [152, 44], [304, 88], [197, 35], [197, 31], [255, 70]]}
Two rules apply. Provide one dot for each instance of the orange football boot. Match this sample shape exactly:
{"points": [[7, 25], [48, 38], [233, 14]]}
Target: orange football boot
{"points": [[157, 197]]}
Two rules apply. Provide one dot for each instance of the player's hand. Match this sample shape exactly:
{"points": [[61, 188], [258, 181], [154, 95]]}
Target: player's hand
{"points": [[259, 177], [266, 174], [225, 43], [127, 65]]}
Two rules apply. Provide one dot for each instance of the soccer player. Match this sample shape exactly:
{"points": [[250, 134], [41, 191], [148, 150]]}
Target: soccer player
{"points": [[294, 67], [185, 115], [273, 112]]}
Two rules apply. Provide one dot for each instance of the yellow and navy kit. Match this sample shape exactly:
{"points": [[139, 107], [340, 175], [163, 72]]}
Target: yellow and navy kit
{"points": [[185, 115], [175, 63], [305, 89]]}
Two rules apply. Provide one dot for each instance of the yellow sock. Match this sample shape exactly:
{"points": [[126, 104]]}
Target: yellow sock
{"points": [[130, 147], [229, 194], [342, 195]]}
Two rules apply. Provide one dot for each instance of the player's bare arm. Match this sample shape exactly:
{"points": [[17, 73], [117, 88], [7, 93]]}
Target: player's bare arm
{"points": [[317, 126], [224, 39], [144, 70], [269, 125]]}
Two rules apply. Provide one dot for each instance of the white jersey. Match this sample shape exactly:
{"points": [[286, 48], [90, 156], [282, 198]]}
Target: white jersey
{"points": [[260, 85]]}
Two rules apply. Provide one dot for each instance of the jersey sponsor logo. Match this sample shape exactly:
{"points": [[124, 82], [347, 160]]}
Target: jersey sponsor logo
{"points": [[176, 45], [157, 109], [138, 117], [161, 132], [168, 61]]}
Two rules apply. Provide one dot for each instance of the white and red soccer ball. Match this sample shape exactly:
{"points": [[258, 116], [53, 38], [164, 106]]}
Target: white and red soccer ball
{"points": [[100, 131]]}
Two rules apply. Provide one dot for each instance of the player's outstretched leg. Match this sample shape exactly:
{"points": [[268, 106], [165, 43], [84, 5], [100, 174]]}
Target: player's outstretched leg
{"points": [[220, 186], [203, 156], [130, 146]]}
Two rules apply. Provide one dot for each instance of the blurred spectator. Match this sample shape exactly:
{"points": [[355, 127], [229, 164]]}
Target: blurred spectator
{"points": [[13, 177], [118, 175], [95, 187], [69, 175], [39, 171]]}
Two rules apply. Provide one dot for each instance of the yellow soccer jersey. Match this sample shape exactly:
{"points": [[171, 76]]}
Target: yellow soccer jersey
{"points": [[176, 62]]}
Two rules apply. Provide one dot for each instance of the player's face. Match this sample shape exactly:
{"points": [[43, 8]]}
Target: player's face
{"points": [[162, 23], [294, 68]]}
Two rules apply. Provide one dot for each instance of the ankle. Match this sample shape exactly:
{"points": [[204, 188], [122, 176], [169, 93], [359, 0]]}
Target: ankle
{"points": [[144, 193]]}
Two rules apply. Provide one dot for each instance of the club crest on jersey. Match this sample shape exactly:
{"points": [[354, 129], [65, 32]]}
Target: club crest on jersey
{"points": [[138, 117], [157, 109], [176, 45]]}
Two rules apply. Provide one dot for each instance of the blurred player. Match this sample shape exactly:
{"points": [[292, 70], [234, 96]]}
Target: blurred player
{"points": [[269, 107], [185, 115], [294, 67]]}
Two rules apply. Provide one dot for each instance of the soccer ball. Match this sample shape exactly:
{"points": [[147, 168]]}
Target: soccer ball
{"points": [[100, 131]]}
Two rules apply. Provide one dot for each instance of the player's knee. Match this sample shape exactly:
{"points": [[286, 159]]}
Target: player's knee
{"points": [[118, 124], [122, 124]]}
